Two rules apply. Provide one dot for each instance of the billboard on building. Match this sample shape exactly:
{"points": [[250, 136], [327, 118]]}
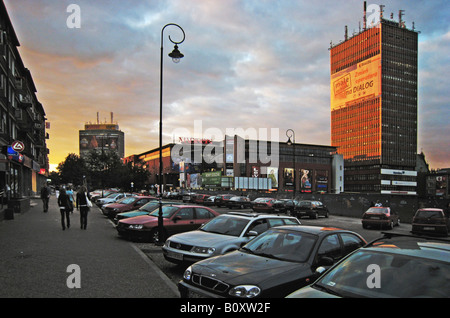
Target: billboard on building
{"points": [[101, 140], [357, 82]]}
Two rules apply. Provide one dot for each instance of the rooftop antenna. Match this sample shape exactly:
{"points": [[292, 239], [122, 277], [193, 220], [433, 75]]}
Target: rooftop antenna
{"points": [[346, 33], [97, 118], [381, 11], [364, 18], [400, 14]]}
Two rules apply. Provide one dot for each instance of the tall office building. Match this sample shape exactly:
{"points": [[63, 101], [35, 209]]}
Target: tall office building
{"points": [[102, 137], [374, 106]]}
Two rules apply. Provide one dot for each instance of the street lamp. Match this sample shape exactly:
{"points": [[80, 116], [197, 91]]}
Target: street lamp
{"points": [[176, 55], [290, 133]]}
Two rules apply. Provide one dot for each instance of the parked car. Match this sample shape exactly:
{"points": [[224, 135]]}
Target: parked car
{"points": [[189, 197], [274, 264], [223, 234], [284, 205], [240, 202], [222, 199], [431, 221], [264, 205], [97, 194], [310, 208], [380, 217], [200, 198], [175, 195], [210, 201], [111, 198], [146, 209], [176, 219], [393, 266], [125, 204]]}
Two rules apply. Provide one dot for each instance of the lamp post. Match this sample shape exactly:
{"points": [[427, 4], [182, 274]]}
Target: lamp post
{"points": [[176, 55], [292, 143]]}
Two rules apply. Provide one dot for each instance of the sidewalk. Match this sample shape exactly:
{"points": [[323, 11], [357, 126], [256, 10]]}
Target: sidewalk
{"points": [[35, 254]]}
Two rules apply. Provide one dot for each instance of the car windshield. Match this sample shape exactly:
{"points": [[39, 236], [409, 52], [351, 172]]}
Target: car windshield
{"points": [[225, 225], [167, 211], [285, 245], [375, 274], [302, 203]]}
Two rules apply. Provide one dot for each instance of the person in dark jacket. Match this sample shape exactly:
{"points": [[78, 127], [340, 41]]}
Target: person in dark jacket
{"points": [[82, 197], [45, 196], [64, 208]]}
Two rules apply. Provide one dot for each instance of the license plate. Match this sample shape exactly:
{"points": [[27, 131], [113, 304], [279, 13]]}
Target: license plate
{"points": [[192, 294], [176, 256], [428, 228], [375, 217]]}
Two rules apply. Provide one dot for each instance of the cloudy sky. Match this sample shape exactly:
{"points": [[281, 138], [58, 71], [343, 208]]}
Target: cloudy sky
{"points": [[250, 64]]}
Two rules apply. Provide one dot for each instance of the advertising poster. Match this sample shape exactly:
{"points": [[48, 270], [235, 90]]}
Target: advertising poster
{"points": [[288, 176], [272, 173], [255, 172], [322, 180], [305, 180], [360, 81]]}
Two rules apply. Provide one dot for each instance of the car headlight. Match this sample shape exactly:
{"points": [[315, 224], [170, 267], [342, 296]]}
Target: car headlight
{"points": [[166, 243], [203, 250], [135, 226], [187, 273], [245, 291]]}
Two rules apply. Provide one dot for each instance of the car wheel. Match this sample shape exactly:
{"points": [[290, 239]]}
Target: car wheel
{"points": [[314, 216], [391, 225], [154, 235], [398, 222], [327, 214]]}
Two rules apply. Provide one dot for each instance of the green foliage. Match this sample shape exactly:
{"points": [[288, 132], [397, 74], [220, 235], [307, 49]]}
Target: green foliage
{"points": [[101, 170]]}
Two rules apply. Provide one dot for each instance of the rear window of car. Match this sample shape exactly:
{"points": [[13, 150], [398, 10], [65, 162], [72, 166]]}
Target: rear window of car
{"points": [[429, 214], [378, 210]]}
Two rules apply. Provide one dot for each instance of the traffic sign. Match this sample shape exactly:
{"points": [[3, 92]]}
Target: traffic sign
{"points": [[18, 146]]}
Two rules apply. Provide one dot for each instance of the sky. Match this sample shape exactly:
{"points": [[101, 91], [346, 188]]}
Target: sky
{"points": [[257, 65]]}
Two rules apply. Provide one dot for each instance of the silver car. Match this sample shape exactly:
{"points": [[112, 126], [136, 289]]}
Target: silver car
{"points": [[224, 233]]}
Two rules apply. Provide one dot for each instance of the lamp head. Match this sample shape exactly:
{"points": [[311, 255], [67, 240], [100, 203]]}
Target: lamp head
{"points": [[289, 142], [176, 55]]}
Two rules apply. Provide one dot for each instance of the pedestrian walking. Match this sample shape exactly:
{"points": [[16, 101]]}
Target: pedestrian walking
{"points": [[82, 204], [64, 208], [69, 192], [45, 196]]}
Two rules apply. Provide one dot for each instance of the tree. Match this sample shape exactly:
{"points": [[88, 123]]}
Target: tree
{"points": [[72, 170], [102, 170]]}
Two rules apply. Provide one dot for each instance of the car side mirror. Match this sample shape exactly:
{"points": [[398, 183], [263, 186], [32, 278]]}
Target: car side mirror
{"points": [[252, 233], [176, 218], [325, 261]]}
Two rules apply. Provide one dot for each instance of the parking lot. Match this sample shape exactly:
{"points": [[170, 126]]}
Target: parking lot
{"points": [[175, 272]]}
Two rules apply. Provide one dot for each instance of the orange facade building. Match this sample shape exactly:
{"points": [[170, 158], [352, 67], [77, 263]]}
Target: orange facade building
{"points": [[373, 89]]}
